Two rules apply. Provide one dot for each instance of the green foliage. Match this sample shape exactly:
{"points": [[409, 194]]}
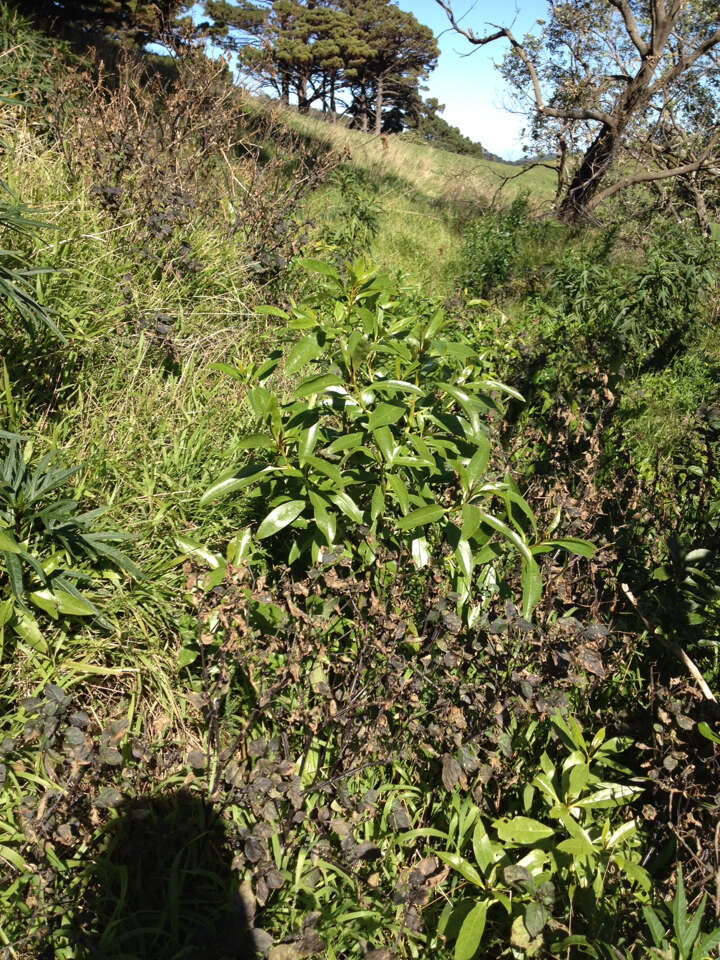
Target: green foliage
{"points": [[494, 246], [384, 443], [357, 214], [16, 273], [638, 317], [372, 50], [578, 853], [682, 938], [139, 21], [43, 535]]}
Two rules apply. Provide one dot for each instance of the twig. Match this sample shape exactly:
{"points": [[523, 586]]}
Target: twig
{"points": [[672, 646]]}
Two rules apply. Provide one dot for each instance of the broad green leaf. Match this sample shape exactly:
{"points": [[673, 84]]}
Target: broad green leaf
{"points": [[279, 518], [479, 460], [610, 795], [706, 944], [228, 485], [482, 846], [420, 552], [74, 606], [348, 506], [377, 504], [27, 628], [239, 546], [262, 401], [195, 549], [421, 517], [679, 905], [301, 354], [267, 310], [633, 871], [471, 931], [576, 848], [386, 444], [462, 866], [327, 469], [536, 916], [385, 414], [325, 521], [255, 441], [464, 556], [501, 388], [624, 831], [45, 601], [319, 266], [657, 930], [350, 441], [572, 544], [391, 386], [471, 520], [531, 582], [707, 732], [522, 830], [7, 543], [400, 491], [687, 936], [314, 385], [307, 442]]}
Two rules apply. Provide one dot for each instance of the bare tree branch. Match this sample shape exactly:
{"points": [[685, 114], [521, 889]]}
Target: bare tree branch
{"points": [[685, 63], [642, 47], [705, 161], [599, 116]]}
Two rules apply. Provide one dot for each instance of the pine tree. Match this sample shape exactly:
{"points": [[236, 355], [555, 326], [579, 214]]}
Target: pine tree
{"points": [[315, 49], [137, 20]]}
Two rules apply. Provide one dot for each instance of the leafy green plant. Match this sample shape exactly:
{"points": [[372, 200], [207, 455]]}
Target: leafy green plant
{"points": [[385, 442], [491, 248], [681, 938], [566, 862], [43, 533], [358, 216], [16, 274]]}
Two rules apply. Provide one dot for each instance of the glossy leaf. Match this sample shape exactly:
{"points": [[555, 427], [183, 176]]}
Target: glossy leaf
{"points": [[421, 517], [471, 932], [279, 518], [522, 830]]}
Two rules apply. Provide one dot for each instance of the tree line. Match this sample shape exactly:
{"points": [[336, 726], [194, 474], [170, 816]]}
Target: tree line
{"points": [[363, 59]]}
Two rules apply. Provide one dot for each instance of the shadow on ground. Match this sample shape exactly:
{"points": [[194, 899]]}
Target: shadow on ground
{"points": [[161, 887]]}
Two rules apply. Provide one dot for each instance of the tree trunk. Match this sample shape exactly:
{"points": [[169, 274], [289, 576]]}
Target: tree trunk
{"points": [[301, 90], [701, 210], [363, 111], [601, 153], [285, 89], [378, 107], [595, 164], [333, 108]]}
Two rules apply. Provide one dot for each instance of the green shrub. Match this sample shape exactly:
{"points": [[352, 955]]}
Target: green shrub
{"points": [[490, 249], [385, 443], [569, 852]]}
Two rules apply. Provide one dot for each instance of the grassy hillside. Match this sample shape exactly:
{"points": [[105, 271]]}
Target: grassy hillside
{"points": [[358, 571]]}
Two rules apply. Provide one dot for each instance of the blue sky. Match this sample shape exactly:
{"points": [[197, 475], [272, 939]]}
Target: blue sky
{"points": [[470, 87]]}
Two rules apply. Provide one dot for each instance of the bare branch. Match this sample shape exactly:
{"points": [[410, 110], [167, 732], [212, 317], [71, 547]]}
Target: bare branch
{"points": [[599, 116], [685, 62], [631, 26], [649, 176]]}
